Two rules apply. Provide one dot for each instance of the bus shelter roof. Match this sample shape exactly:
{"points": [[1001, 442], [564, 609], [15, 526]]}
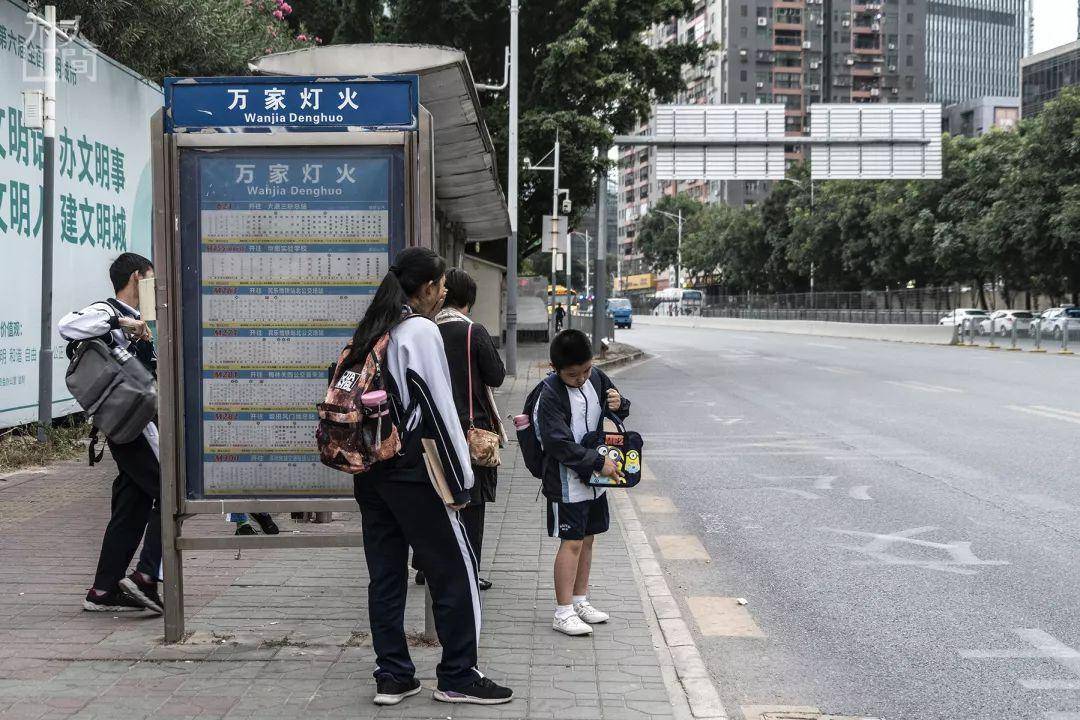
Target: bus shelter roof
{"points": [[467, 188]]}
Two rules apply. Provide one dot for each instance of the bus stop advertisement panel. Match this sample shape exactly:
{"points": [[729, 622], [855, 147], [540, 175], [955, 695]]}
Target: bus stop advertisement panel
{"points": [[280, 203]]}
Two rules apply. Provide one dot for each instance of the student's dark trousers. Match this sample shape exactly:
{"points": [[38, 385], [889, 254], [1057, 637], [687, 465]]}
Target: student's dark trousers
{"points": [[472, 515], [397, 515], [136, 515]]}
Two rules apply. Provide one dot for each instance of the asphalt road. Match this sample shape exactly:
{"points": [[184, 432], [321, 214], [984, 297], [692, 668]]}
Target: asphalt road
{"points": [[903, 520]]}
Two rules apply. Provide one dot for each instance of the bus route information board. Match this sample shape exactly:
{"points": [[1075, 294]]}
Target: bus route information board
{"points": [[291, 250]]}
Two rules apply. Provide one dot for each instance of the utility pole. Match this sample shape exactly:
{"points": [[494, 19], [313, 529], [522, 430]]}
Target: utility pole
{"points": [[600, 304], [587, 283], [678, 253], [45, 350], [512, 201], [678, 248], [554, 221]]}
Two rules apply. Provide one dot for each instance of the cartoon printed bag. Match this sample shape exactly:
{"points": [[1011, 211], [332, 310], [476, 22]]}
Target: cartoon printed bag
{"points": [[622, 447]]}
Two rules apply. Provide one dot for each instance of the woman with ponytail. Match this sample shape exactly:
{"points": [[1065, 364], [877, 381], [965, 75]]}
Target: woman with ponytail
{"points": [[399, 508]]}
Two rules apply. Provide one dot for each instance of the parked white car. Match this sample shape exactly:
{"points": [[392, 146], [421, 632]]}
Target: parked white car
{"points": [[958, 317], [1048, 322], [1068, 320], [1004, 320]]}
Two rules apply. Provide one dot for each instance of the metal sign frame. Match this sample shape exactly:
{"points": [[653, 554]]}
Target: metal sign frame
{"points": [[166, 151]]}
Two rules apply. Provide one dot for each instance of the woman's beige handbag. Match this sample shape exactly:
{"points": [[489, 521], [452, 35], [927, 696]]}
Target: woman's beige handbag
{"points": [[483, 444]]}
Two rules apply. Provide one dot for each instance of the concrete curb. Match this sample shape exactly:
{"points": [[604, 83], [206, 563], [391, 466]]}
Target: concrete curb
{"points": [[619, 361], [925, 334], [693, 693]]}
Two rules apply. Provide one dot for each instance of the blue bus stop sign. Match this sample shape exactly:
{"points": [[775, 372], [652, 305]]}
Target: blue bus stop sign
{"points": [[388, 102]]}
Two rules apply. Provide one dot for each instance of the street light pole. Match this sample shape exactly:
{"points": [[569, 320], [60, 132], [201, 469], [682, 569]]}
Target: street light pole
{"points": [[588, 285], [600, 303], [512, 200], [45, 350], [678, 248], [678, 253], [554, 221]]}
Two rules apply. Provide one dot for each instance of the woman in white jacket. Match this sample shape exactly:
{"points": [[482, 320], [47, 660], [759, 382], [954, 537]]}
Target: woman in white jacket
{"points": [[400, 508]]}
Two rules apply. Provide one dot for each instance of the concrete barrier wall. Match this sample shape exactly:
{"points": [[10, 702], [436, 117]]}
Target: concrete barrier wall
{"points": [[931, 334]]}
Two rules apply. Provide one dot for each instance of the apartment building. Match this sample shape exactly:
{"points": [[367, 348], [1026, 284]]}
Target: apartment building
{"points": [[973, 48], [794, 52]]}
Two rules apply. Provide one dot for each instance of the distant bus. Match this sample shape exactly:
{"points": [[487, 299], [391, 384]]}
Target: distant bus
{"points": [[678, 301]]}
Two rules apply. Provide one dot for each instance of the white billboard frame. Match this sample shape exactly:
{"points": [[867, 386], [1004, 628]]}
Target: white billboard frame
{"points": [[720, 142], [875, 142]]}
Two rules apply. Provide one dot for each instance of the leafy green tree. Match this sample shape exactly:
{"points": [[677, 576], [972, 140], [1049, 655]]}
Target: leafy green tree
{"points": [[159, 38], [658, 234], [584, 72], [729, 244]]}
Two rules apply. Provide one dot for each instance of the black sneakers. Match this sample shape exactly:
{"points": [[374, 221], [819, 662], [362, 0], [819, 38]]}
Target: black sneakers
{"points": [[144, 592], [481, 692], [266, 523], [115, 601], [245, 529], [390, 691]]}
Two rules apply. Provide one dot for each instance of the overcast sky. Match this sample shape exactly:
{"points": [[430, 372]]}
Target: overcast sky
{"points": [[1055, 23]]}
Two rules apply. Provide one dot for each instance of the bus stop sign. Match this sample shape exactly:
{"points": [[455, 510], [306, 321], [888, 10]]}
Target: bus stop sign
{"points": [[307, 103]]}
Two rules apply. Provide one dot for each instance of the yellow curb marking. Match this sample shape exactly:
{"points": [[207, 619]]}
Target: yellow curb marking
{"points": [[723, 617], [681, 547]]}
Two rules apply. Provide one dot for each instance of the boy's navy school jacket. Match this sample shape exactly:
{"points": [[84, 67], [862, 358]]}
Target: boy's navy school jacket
{"points": [[566, 462]]}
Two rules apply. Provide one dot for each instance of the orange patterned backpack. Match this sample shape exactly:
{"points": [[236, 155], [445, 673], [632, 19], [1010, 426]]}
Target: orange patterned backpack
{"points": [[360, 420]]}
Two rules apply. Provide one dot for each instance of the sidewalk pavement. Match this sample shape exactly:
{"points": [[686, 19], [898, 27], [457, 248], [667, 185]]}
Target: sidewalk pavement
{"points": [[284, 633]]}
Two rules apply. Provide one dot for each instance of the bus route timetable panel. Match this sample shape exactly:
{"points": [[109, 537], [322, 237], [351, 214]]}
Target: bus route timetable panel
{"points": [[291, 247]]}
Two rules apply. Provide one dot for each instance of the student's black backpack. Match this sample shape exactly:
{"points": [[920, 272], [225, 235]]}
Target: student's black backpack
{"points": [[531, 449]]}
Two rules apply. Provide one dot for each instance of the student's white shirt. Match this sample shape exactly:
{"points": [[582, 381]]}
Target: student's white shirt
{"points": [[417, 345], [96, 320], [585, 413]]}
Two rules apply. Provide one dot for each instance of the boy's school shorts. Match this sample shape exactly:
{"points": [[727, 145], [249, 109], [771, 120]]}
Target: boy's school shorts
{"points": [[574, 521]]}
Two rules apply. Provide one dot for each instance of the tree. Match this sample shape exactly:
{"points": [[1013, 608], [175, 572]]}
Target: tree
{"points": [[658, 234], [729, 243], [584, 71], [159, 38]]}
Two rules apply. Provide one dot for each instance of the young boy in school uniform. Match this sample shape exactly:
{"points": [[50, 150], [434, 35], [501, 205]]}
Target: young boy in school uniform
{"points": [[572, 403]]}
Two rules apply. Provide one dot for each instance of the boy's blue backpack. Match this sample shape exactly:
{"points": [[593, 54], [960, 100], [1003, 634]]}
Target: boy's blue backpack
{"points": [[531, 449]]}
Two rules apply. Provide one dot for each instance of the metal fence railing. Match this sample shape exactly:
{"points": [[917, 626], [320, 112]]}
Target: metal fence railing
{"points": [[905, 316], [909, 306]]}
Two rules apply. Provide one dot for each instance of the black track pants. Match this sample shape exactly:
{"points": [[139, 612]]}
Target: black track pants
{"points": [[395, 516], [136, 515]]}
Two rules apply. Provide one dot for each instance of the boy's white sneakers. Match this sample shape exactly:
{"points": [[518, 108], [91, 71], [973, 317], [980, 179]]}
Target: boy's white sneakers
{"points": [[589, 614], [571, 625]]}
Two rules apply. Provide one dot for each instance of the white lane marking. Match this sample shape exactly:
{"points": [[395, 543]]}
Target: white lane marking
{"points": [[838, 370], [1047, 412], [924, 387], [1060, 411], [800, 493], [1044, 646], [860, 492], [1045, 502], [961, 558], [827, 345], [723, 617], [725, 420]]}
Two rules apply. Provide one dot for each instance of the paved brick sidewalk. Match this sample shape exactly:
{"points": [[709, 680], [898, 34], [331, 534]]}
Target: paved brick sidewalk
{"points": [[283, 634]]}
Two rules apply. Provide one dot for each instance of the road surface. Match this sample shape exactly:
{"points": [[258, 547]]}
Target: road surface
{"points": [[903, 520]]}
